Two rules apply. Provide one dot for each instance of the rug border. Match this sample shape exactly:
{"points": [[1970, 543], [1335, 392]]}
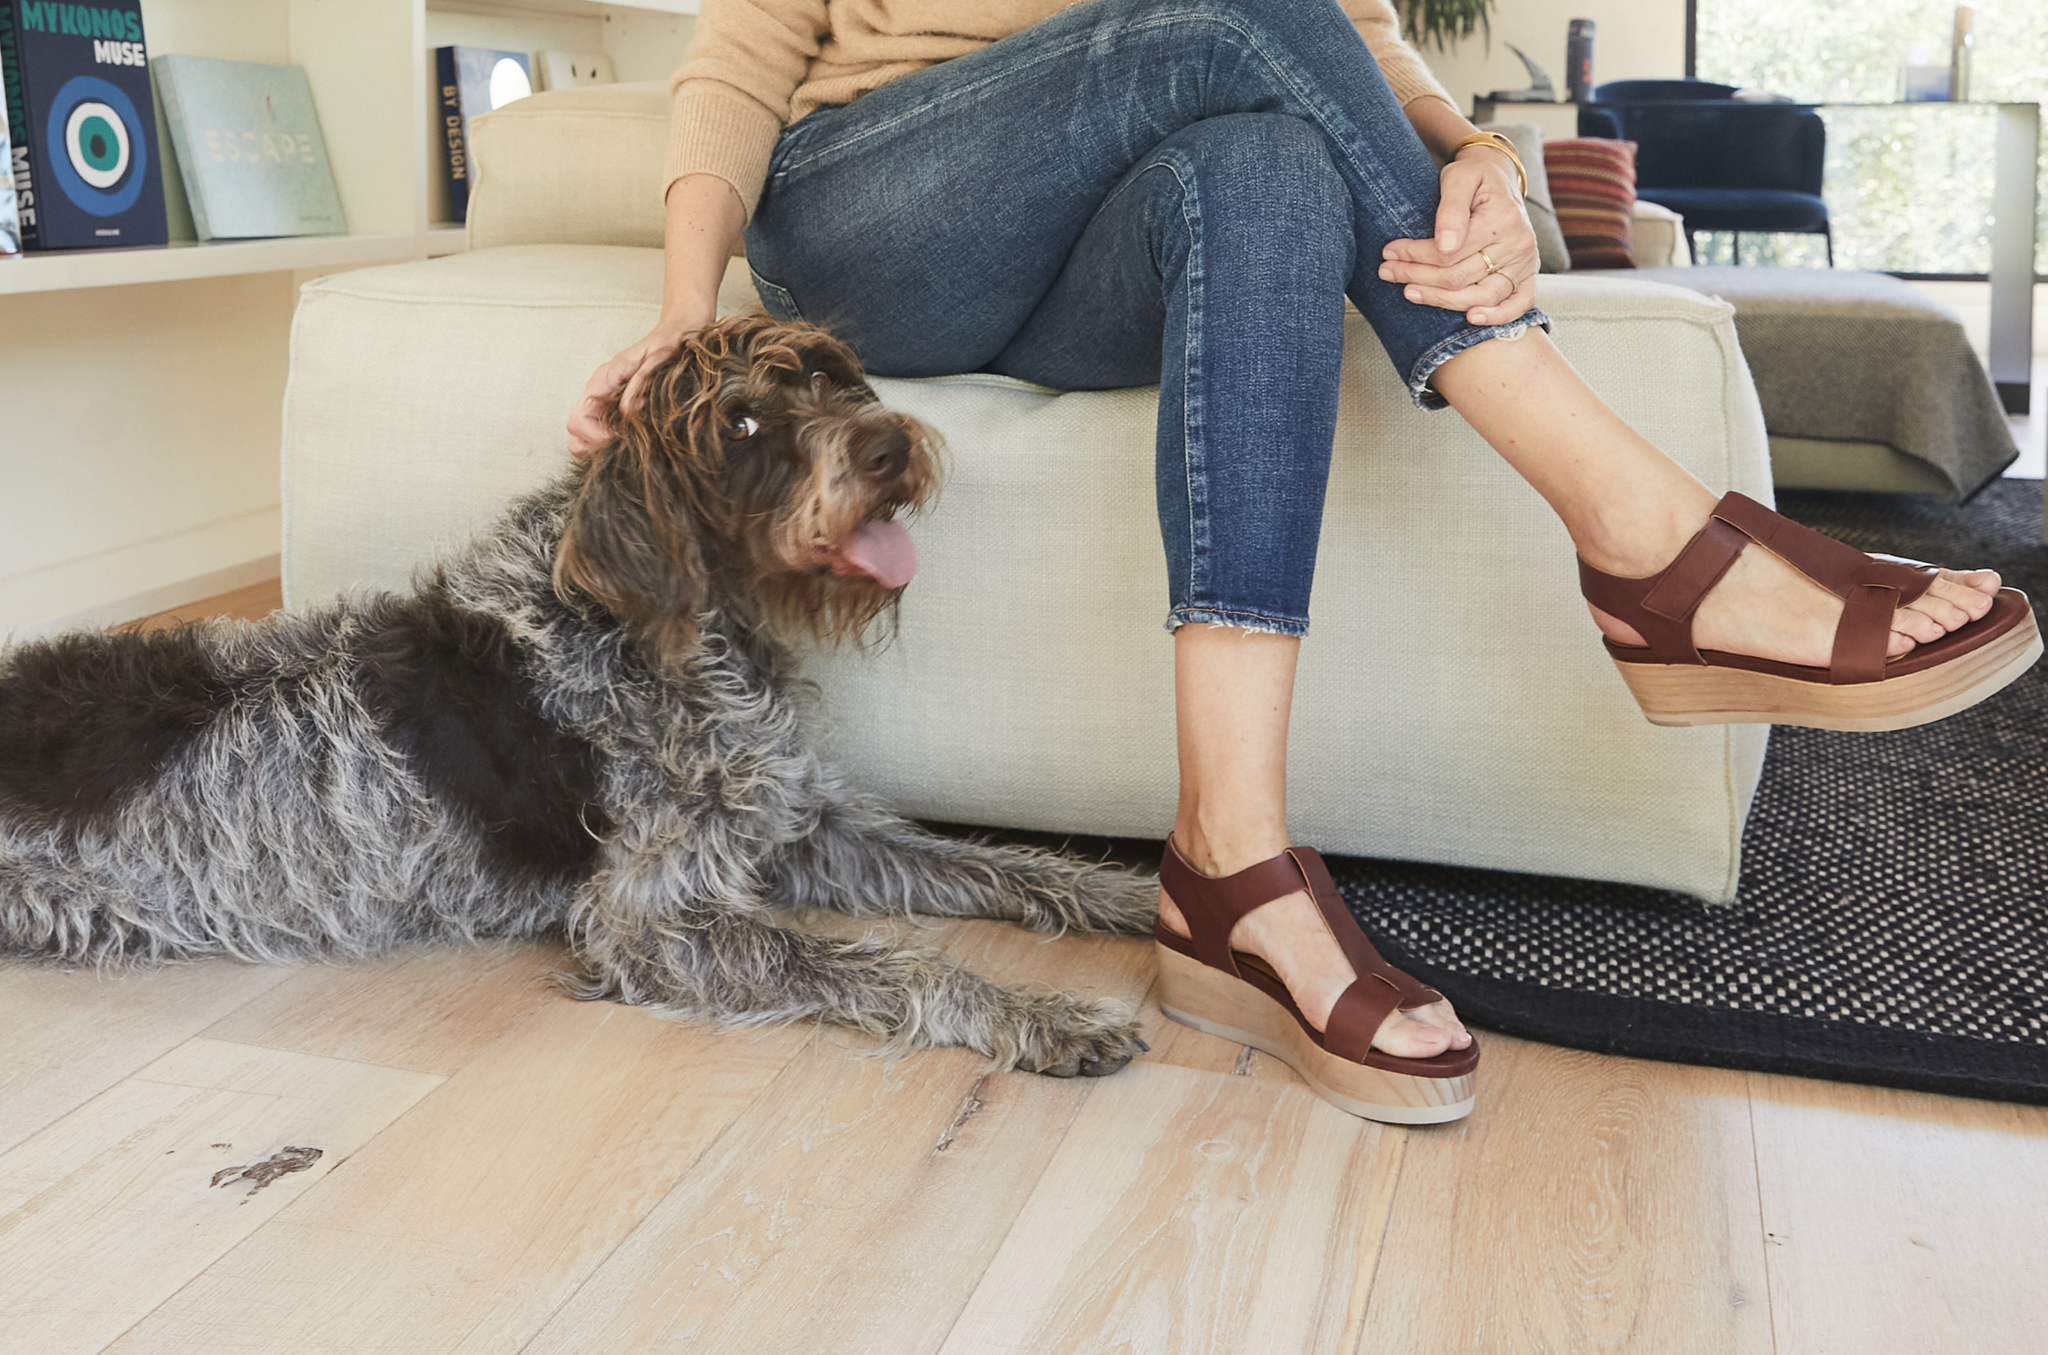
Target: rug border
{"points": [[1752, 1041]]}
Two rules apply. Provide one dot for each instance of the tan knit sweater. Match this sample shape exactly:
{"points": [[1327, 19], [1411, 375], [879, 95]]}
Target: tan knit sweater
{"points": [[757, 65]]}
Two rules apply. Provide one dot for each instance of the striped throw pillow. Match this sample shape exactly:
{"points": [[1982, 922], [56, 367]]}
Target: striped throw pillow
{"points": [[1593, 187]]}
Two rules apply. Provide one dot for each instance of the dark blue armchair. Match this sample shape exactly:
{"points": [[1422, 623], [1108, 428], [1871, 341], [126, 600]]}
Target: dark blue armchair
{"points": [[1722, 165]]}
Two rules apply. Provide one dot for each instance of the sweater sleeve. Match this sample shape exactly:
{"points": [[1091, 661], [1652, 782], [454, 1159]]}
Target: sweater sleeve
{"points": [[1406, 73], [731, 97]]}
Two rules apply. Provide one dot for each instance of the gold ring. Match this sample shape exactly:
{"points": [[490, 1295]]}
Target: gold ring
{"points": [[1491, 266]]}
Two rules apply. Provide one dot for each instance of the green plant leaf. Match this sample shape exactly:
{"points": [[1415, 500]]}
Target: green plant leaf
{"points": [[1443, 22]]}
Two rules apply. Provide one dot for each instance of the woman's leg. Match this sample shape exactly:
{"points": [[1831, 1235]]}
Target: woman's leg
{"points": [[927, 219], [1232, 693], [1231, 241], [1630, 509]]}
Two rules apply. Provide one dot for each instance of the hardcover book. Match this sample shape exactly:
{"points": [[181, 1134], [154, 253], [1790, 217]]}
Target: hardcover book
{"points": [[83, 124], [473, 80], [249, 148]]}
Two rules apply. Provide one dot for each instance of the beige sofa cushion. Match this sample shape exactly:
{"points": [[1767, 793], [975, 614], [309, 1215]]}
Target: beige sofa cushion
{"points": [[1657, 237], [571, 166], [1454, 702]]}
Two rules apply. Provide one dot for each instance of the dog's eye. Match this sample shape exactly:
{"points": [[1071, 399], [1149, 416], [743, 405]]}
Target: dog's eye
{"points": [[742, 428]]}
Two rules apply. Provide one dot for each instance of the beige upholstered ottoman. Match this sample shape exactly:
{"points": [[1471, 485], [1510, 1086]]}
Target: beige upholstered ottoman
{"points": [[1455, 704]]}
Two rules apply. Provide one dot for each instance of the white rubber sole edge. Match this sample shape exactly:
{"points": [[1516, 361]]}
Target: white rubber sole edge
{"points": [[1440, 1114]]}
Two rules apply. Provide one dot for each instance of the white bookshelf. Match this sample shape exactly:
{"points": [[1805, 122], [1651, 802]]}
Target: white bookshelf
{"points": [[569, 8], [185, 260], [370, 64], [143, 387]]}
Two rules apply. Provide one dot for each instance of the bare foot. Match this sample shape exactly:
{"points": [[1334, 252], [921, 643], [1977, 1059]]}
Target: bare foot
{"points": [[1290, 935], [1766, 609]]}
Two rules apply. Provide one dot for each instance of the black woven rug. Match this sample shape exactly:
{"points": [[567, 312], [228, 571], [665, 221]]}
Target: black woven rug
{"points": [[1894, 897]]}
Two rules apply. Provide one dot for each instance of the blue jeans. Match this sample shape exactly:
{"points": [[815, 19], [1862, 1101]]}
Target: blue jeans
{"points": [[1131, 191]]}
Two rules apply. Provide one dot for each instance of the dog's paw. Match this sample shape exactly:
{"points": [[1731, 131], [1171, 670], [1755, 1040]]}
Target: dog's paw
{"points": [[1062, 1036], [1093, 1067]]}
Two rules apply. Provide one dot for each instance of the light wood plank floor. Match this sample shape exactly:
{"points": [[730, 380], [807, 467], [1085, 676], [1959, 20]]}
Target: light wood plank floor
{"points": [[502, 1169]]}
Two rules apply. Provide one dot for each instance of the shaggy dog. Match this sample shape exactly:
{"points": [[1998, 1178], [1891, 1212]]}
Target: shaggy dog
{"points": [[589, 721]]}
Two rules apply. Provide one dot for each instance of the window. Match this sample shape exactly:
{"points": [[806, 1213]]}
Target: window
{"points": [[1908, 189]]}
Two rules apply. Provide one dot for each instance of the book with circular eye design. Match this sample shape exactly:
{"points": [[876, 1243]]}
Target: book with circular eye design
{"points": [[83, 152]]}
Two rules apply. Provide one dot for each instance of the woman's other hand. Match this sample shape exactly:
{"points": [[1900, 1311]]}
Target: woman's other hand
{"points": [[630, 369], [1482, 260], [703, 218]]}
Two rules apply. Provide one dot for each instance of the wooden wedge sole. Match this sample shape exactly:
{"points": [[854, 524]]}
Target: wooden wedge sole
{"points": [[1215, 1003], [1689, 694]]}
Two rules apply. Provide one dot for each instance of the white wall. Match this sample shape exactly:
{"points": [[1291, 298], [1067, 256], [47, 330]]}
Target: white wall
{"points": [[139, 445], [1636, 39], [138, 448]]}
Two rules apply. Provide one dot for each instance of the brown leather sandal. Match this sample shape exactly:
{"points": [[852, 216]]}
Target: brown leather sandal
{"points": [[1677, 684], [1227, 993]]}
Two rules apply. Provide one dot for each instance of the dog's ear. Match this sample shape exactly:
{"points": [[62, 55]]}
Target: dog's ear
{"points": [[635, 537]]}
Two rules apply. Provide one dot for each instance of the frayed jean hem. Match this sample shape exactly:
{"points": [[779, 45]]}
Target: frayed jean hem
{"points": [[1251, 623], [1425, 367]]}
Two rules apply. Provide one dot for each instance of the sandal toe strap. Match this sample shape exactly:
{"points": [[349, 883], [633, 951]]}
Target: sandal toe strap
{"points": [[1871, 588], [1365, 959], [1661, 606], [1863, 634], [1379, 986], [1360, 1012]]}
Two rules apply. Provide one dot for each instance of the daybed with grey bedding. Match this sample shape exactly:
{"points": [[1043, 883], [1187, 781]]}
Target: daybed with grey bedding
{"points": [[1865, 382]]}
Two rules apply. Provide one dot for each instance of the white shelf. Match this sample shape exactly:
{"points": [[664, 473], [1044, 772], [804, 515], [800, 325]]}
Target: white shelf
{"points": [[443, 240], [574, 8], [368, 62], [183, 260]]}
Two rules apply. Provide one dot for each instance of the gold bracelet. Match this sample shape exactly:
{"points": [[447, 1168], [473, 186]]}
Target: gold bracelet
{"points": [[1504, 146]]}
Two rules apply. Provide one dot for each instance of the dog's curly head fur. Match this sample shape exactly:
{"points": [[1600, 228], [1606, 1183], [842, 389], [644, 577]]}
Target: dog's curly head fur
{"points": [[755, 461]]}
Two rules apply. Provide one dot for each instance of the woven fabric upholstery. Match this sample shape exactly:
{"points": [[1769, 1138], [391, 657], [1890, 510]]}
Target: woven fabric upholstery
{"points": [[571, 166], [1657, 238], [1031, 683], [1593, 185]]}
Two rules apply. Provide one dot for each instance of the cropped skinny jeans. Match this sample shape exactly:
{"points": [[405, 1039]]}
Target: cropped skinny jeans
{"points": [[1135, 191]]}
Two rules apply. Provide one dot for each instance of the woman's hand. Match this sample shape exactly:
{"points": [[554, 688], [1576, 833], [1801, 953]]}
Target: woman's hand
{"points": [[1479, 222], [703, 217], [629, 369]]}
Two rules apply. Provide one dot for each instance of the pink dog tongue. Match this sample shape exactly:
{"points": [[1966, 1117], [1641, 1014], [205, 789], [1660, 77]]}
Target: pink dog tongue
{"points": [[884, 552]]}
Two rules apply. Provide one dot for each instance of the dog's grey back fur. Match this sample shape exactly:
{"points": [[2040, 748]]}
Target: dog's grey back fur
{"points": [[486, 758]]}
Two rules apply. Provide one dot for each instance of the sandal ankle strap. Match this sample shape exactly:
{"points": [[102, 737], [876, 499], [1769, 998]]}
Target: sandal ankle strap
{"points": [[1213, 905]]}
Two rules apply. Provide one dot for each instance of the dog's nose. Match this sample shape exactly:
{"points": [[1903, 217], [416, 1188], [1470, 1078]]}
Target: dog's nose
{"points": [[887, 456]]}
